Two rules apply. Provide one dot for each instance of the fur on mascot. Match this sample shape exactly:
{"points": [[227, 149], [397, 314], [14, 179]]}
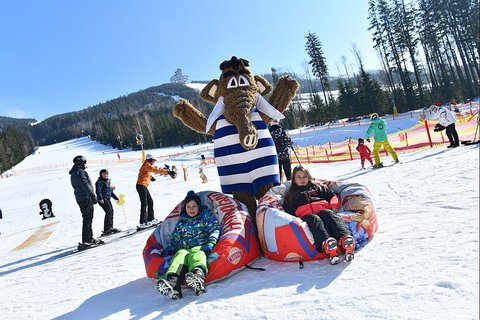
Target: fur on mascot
{"points": [[244, 151]]}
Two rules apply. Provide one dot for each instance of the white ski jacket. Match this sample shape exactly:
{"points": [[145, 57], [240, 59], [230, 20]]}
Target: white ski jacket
{"points": [[445, 116]]}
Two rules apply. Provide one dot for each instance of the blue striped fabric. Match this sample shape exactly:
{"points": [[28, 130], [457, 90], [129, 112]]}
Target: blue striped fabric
{"points": [[240, 169]]}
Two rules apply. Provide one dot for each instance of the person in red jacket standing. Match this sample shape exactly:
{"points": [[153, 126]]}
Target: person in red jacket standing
{"points": [[365, 152]]}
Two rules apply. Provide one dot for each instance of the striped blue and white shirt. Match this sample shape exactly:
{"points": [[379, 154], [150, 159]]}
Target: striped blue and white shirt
{"points": [[240, 169]]}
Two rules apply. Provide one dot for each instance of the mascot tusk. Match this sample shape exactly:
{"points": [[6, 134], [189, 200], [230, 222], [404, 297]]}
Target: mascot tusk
{"points": [[266, 108], [216, 112]]}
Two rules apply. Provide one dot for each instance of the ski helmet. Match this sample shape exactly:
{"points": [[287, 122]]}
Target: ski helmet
{"points": [[150, 157], [80, 160], [373, 116]]}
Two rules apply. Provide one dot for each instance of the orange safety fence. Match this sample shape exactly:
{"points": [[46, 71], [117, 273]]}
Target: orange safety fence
{"points": [[420, 136], [414, 138], [105, 162]]}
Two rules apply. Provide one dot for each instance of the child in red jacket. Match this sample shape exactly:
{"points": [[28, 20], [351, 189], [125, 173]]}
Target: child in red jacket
{"points": [[364, 151]]}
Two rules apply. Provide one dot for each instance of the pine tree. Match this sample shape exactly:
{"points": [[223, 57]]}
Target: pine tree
{"points": [[318, 62]]}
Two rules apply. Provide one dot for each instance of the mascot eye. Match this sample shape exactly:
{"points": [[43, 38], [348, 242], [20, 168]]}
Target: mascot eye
{"points": [[232, 83], [242, 81]]}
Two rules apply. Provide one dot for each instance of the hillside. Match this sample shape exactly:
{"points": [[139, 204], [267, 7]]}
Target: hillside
{"points": [[118, 121]]}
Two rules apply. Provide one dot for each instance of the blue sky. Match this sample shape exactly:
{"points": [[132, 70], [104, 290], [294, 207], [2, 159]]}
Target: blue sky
{"points": [[59, 56]]}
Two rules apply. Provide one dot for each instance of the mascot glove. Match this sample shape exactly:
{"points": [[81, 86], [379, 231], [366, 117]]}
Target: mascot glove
{"points": [[152, 178]]}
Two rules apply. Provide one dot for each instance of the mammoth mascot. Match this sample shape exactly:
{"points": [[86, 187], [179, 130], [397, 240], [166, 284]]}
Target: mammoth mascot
{"points": [[244, 151]]}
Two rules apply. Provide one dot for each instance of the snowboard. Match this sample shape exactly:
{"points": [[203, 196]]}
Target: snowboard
{"points": [[386, 165]]}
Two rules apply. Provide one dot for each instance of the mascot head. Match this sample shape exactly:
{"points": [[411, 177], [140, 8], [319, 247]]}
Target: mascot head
{"points": [[235, 94]]}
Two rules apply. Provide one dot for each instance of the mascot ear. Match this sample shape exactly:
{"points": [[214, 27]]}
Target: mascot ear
{"points": [[264, 87], [208, 93]]}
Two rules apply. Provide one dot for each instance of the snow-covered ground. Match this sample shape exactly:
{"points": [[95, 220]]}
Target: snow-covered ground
{"points": [[423, 262]]}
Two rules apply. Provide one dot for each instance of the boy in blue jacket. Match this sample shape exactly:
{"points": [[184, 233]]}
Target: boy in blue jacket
{"points": [[196, 233], [104, 192]]}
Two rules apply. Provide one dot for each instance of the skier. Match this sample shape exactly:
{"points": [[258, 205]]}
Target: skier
{"points": [[364, 151], [147, 215], [282, 144], [104, 192], [379, 128], [317, 205], [85, 197], [194, 237], [447, 119]]}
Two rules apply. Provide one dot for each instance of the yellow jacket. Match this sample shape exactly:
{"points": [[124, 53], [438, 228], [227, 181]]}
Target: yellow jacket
{"points": [[146, 171]]}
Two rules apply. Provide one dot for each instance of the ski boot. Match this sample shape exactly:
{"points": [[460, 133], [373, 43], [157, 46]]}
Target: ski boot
{"points": [[170, 287], [347, 243], [196, 280], [330, 249], [376, 166]]}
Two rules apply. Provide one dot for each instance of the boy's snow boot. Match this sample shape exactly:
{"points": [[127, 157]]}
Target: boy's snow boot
{"points": [[330, 249], [347, 243], [170, 287], [196, 280]]}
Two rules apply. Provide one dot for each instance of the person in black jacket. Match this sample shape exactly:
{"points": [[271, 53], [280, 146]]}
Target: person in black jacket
{"points": [[85, 197], [104, 192], [317, 205], [282, 144]]}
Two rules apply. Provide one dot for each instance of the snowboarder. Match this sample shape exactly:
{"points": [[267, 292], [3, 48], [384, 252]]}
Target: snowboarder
{"points": [[364, 151], [85, 197], [318, 205], [282, 144], [104, 191], [147, 215], [379, 128], [447, 119], [194, 237]]}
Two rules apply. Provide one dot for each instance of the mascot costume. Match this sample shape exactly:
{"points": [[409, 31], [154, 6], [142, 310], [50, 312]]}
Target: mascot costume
{"points": [[244, 151]]}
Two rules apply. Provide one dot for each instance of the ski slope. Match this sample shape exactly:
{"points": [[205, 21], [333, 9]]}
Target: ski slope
{"points": [[423, 262]]}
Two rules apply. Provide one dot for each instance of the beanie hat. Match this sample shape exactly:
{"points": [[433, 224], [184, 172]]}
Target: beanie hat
{"points": [[360, 140], [191, 195], [373, 116]]}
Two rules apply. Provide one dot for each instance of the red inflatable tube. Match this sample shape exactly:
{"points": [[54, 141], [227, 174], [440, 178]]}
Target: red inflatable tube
{"points": [[287, 238], [237, 246]]}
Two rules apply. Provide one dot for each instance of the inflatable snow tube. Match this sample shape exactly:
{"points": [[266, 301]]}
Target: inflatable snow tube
{"points": [[237, 245], [286, 238]]}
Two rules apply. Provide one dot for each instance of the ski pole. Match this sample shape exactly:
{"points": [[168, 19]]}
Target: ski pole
{"points": [[124, 216], [294, 152]]}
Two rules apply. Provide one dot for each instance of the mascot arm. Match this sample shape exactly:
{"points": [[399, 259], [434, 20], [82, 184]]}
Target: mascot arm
{"points": [[284, 93], [191, 117]]}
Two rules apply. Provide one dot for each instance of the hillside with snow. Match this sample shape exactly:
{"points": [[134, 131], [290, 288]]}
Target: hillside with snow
{"points": [[423, 262]]}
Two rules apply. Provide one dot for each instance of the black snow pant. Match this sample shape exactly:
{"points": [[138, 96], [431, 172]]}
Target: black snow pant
{"points": [[86, 207], [108, 208], [452, 135], [325, 224], [146, 207], [287, 168]]}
